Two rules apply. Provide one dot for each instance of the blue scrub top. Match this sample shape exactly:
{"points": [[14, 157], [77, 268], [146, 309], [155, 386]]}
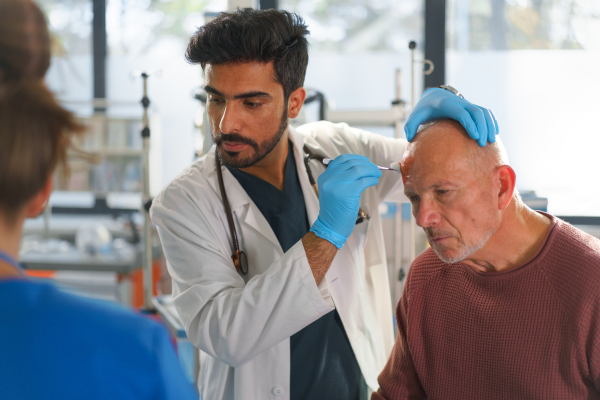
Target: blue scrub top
{"points": [[55, 345]]}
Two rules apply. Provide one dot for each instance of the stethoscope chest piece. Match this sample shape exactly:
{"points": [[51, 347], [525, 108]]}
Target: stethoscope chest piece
{"points": [[240, 261]]}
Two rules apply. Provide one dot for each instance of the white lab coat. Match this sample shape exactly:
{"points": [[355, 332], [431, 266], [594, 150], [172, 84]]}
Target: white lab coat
{"points": [[242, 324]]}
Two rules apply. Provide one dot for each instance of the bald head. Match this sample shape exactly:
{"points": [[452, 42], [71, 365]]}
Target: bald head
{"points": [[446, 137]]}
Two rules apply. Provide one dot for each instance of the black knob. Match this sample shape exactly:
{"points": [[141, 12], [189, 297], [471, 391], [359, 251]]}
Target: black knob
{"points": [[412, 45]]}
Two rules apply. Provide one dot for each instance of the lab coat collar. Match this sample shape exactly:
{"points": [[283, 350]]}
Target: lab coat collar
{"points": [[239, 199]]}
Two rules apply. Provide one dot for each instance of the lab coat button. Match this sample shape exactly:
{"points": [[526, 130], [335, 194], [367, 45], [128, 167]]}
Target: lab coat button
{"points": [[277, 391]]}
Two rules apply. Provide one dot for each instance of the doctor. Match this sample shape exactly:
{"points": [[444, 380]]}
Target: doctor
{"points": [[283, 290]]}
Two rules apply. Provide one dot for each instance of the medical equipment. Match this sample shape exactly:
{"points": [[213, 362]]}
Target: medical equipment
{"points": [[412, 45], [93, 239], [239, 257], [395, 166], [147, 200]]}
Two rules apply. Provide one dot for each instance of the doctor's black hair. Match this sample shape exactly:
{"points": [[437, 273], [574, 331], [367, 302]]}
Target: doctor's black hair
{"points": [[248, 35]]}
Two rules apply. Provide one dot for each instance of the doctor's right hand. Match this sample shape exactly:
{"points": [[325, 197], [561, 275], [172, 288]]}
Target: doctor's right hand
{"points": [[340, 187]]}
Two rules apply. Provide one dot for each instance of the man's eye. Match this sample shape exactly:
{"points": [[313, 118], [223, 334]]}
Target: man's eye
{"points": [[442, 191], [414, 198], [216, 101], [253, 105]]}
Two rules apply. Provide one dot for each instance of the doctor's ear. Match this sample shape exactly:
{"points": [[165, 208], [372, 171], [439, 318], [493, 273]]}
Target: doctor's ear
{"points": [[295, 102]]}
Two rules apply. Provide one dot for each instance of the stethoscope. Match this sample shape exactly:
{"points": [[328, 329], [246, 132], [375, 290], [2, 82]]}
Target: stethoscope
{"points": [[240, 260]]}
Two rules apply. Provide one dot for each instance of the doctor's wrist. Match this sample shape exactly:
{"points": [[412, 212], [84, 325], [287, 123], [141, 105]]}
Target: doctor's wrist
{"points": [[319, 254], [322, 230]]}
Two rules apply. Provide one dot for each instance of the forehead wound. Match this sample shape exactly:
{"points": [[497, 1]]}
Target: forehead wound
{"points": [[406, 163]]}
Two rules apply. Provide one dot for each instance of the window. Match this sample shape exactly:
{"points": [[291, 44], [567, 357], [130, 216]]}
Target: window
{"points": [[534, 63], [356, 47], [70, 24]]}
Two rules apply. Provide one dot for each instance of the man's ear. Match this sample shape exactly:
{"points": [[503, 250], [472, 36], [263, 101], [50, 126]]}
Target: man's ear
{"points": [[295, 102], [507, 179], [37, 204]]}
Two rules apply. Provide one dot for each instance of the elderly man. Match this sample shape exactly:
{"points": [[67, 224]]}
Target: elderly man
{"points": [[505, 304]]}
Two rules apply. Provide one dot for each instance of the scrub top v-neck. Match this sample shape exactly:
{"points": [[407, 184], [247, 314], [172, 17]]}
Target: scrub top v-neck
{"points": [[323, 365]]}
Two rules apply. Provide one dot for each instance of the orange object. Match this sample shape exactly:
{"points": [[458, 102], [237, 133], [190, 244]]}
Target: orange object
{"points": [[137, 284], [40, 273]]}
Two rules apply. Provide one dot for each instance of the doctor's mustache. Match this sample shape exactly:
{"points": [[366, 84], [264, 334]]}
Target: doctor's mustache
{"points": [[234, 138]]}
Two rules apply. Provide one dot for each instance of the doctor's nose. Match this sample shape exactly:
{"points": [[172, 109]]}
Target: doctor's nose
{"points": [[231, 120], [426, 214]]}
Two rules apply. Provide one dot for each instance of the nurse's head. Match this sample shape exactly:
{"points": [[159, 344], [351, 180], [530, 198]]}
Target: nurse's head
{"points": [[255, 63], [35, 130]]}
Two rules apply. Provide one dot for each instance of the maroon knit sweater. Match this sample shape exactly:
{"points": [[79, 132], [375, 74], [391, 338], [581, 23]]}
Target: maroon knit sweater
{"points": [[532, 332]]}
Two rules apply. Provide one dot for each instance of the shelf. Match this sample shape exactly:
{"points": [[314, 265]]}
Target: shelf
{"points": [[118, 152]]}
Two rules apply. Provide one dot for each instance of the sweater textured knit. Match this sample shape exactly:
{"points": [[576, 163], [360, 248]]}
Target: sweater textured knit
{"points": [[532, 332]]}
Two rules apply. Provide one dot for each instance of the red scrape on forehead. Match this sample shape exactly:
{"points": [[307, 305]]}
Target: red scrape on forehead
{"points": [[405, 166]]}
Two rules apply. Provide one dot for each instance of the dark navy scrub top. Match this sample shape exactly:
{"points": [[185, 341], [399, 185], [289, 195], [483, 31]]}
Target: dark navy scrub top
{"points": [[323, 365]]}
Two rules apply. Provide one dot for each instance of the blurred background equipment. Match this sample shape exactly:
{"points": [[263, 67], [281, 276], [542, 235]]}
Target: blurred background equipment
{"points": [[92, 239]]}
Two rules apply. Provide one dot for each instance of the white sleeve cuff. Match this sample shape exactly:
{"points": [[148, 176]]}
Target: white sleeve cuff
{"points": [[319, 295]]}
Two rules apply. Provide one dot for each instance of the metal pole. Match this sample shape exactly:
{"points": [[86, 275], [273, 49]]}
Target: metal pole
{"points": [[435, 40], [47, 216], [146, 200], [413, 225], [412, 46], [268, 4], [395, 276], [99, 50]]}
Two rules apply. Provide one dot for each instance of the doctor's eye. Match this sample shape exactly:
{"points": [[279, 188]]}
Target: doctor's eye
{"points": [[253, 105]]}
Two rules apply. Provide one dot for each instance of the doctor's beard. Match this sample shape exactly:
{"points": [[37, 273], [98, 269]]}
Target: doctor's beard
{"points": [[233, 160]]}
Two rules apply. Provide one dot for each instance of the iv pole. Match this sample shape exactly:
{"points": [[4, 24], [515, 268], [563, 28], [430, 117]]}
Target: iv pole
{"points": [[412, 45], [146, 199]]}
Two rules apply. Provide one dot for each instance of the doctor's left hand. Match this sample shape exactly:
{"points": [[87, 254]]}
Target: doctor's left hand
{"points": [[438, 103], [340, 187]]}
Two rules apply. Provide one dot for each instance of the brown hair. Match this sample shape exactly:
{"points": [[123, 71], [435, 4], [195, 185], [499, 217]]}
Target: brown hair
{"points": [[35, 131]]}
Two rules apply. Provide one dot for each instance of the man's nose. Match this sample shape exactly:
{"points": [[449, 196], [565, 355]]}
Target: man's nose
{"points": [[230, 120], [427, 215]]}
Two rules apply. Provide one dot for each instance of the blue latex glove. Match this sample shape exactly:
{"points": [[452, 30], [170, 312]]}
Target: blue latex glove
{"points": [[437, 103], [340, 187]]}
